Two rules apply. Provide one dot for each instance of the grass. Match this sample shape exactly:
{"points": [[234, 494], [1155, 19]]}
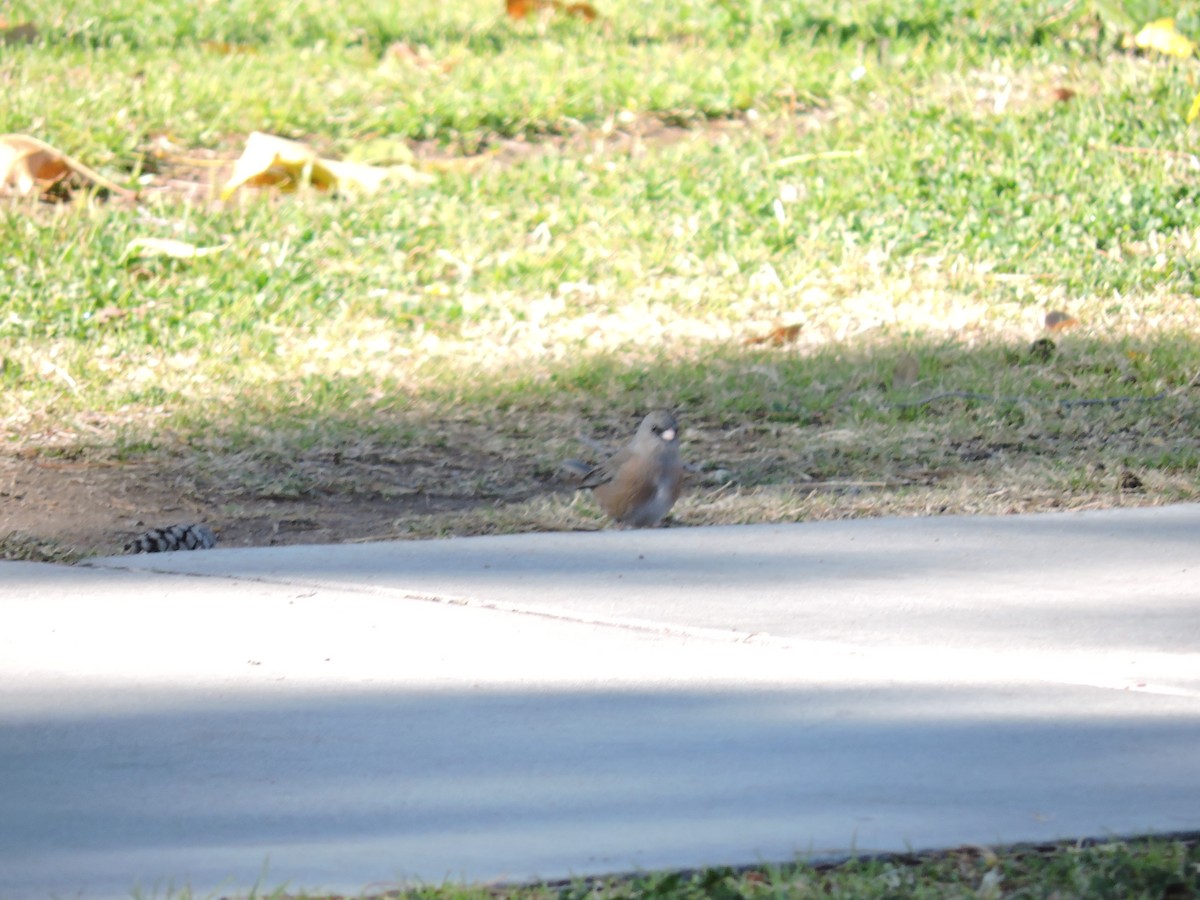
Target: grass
{"points": [[29, 548], [1162, 869], [1166, 869]]}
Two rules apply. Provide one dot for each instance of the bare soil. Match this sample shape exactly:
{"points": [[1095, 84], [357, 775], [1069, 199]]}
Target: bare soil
{"points": [[64, 508], [57, 509]]}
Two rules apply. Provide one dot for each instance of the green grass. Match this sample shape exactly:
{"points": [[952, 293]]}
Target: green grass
{"points": [[1162, 869]]}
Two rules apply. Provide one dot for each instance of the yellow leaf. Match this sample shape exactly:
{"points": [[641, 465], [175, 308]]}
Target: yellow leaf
{"points": [[363, 177], [1160, 35], [148, 246], [360, 176], [26, 163], [1195, 110], [277, 162]]}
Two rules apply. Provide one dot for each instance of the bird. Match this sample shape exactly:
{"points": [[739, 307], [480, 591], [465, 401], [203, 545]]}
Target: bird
{"points": [[638, 486]]}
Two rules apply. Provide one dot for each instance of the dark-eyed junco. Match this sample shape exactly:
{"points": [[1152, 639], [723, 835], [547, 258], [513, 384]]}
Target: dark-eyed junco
{"points": [[640, 484]]}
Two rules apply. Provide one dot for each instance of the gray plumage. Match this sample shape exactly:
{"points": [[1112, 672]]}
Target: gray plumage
{"points": [[639, 485]]}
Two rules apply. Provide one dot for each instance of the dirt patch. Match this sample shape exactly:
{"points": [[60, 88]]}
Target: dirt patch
{"points": [[61, 509], [51, 509]]}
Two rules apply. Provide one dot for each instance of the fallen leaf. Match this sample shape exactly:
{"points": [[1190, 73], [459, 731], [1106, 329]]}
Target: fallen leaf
{"points": [[1060, 321], [272, 161], [149, 246], [584, 10], [1161, 36], [1063, 94], [519, 9], [368, 178], [25, 33], [275, 161], [26, 163], [1194, 110], [778, 336]]}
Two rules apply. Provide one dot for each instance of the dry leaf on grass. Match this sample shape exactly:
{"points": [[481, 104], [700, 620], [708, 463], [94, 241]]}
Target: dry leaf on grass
{"points": [[27, 163], [270, 161], [519, 9], [149, 246], [1060, 321], [778, 336], [1161, 36]]}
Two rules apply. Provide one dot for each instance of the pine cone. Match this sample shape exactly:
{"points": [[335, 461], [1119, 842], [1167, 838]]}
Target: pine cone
{"points": [[177, 537]]}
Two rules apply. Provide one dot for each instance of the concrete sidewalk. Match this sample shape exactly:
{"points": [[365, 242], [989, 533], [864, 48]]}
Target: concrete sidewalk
{"points": [[351, 717]]}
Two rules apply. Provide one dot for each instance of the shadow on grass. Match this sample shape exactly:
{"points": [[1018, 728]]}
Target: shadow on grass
{"points": [[897, 425], [771, 415]]}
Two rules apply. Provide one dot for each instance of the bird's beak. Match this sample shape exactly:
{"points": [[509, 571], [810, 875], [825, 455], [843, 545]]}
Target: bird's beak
{"points": [[668, 435]]}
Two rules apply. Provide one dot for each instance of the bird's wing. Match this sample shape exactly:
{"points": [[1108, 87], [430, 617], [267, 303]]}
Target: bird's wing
{"points": [[604, 472]]}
